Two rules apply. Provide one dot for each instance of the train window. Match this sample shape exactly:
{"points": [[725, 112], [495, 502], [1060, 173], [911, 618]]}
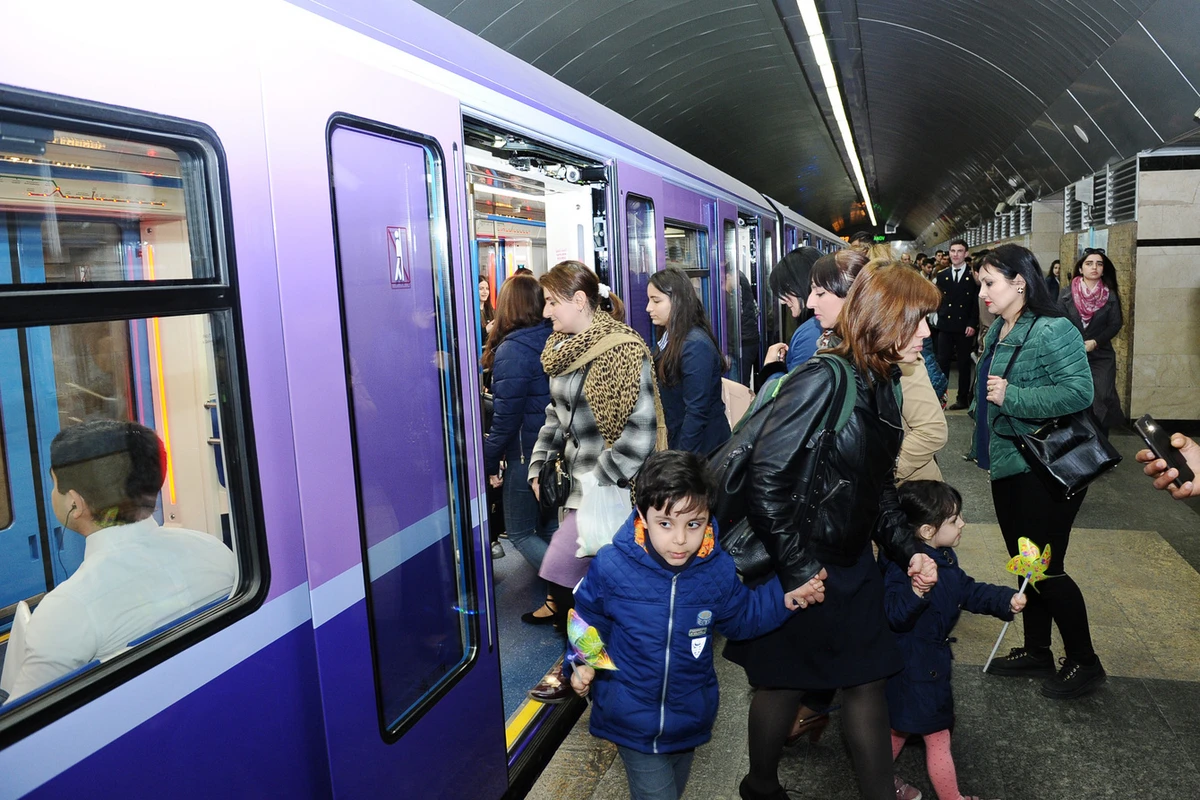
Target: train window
{"points": [[124, 471], [687, 249], [110, 209], [408, 458], [639, 216]]}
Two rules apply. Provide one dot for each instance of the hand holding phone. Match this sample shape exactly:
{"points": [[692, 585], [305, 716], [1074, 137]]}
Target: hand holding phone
{"points": [[1158, 440]]}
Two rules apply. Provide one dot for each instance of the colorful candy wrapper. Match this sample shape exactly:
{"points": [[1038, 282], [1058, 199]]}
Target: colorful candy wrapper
{"points": [[1030, 564], [586, 646]]}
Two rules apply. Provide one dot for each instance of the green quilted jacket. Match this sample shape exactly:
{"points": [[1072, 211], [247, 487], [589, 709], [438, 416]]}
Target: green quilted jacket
{"points": [[1050, 378]]}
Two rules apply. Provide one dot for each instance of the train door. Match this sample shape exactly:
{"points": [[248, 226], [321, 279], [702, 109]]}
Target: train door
{"points": [[768, 304], [380, 336], [643, 248], [739, 265], [63, 375]]}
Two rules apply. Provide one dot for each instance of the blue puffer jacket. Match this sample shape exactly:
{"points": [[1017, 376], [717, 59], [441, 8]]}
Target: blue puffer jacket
{"points": [[919, 697], [522, 392], [658, 627], [693, 408]]}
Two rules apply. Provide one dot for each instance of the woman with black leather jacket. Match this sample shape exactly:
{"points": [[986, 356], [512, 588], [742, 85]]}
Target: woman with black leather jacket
{"points": [[840, 637]]}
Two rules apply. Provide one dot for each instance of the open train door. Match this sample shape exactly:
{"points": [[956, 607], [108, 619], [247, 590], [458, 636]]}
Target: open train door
{"points": [[377, 309]]}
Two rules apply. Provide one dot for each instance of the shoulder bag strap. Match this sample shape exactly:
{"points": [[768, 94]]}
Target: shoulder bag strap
{"points": [[574, 408]]}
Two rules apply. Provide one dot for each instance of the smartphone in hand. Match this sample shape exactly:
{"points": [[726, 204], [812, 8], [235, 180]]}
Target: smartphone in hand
{"points": [[1158, 439]]}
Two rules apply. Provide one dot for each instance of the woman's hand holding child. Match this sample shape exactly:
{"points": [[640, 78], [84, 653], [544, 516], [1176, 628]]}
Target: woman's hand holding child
{"points": [[923, 571], [581, 679], [812, 591]]}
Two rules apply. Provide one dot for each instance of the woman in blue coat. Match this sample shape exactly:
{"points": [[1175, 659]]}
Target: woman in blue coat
{"points": [[687, 363], [791, 282], [521, 392], [919, 697]]}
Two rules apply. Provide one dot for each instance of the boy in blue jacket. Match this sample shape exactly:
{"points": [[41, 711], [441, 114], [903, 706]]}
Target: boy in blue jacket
{"points": [[656, 595], [919, 697]]}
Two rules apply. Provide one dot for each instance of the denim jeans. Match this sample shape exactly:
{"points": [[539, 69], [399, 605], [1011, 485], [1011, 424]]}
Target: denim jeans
{"points": [[656, 776], [523, 517]]}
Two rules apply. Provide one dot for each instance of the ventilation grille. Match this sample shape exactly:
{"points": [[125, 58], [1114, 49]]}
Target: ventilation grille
{"points": [[1121, 194], [1096, 214], [1072, 211], [1026, 224]]}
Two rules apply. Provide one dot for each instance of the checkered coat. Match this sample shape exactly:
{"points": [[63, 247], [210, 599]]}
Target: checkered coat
{"points": [[585, 447]]}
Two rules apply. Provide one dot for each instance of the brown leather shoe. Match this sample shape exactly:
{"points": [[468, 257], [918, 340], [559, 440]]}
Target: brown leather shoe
{"points": [[553, 688]]}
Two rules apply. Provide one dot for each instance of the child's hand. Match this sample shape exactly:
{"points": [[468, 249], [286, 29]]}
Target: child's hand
{"points": [[581, 679], [1017, 604], [923, 571]]}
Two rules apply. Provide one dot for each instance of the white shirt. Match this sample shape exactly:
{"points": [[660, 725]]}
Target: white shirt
{"points": [[133, 579]]}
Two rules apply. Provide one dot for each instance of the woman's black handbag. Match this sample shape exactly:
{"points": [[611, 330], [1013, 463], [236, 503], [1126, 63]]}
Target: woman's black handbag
{"points": [[1066, 453], [554, 478]]}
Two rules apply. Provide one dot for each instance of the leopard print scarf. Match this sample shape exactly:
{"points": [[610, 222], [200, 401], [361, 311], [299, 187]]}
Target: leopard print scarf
{"points": [[611, 386]]}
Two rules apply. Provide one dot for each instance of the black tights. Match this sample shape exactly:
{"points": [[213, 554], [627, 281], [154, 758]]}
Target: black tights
{"points": [[1025, 508], [563, 598], [864, 720]]}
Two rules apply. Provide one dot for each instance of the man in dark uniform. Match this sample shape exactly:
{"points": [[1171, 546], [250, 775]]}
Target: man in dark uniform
{"points": [[958, 319]]}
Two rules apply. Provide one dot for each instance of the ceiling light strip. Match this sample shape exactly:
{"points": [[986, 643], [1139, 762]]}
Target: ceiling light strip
{"points": [[820, 49]]}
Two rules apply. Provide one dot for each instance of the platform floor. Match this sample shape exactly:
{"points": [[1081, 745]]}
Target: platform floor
{"points": [[1135, 553]]}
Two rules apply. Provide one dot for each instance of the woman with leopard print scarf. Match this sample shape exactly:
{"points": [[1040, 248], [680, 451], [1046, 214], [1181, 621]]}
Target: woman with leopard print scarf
{"points": [[618, 422]]}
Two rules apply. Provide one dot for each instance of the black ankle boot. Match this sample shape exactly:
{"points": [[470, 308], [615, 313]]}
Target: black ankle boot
{"points": [[748, 793]]}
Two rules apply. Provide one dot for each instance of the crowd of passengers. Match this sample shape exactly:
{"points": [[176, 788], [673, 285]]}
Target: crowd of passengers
{"points": [[576, 387]]}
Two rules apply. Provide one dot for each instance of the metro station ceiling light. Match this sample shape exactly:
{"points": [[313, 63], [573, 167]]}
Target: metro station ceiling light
{"points": [[816, 38]]}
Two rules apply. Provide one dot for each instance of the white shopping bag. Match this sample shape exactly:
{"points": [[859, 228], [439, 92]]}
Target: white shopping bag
{"points": [[601, 514]]}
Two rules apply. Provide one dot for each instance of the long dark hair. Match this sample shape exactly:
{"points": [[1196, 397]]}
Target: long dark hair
{"points": [[687, 312], [1109, 275], [520, 305], [1011, 260], [792, 273]]}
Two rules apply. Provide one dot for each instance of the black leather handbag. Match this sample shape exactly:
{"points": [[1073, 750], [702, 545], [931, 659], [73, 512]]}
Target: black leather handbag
{"points": [[554, 478], [1066, 453]]}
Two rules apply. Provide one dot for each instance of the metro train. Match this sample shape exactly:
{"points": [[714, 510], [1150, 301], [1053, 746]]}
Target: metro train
{"points": [[259, 228]]}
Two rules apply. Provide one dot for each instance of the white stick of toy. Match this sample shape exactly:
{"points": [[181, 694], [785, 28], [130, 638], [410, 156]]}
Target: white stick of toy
{"points": [[1004, 630]]}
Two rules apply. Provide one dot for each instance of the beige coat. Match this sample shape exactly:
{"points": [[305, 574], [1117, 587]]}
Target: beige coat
{"points": [[925, 430]]}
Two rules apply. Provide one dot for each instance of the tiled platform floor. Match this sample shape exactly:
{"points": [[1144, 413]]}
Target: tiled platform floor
{"points": [[1134, 552]]}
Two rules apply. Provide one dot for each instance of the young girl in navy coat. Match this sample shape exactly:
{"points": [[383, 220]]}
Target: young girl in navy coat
{"points": [[919, 697], [656, 595]]}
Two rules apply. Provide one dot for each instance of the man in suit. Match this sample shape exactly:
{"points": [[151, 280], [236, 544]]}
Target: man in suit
{"points": [[958, 319]]}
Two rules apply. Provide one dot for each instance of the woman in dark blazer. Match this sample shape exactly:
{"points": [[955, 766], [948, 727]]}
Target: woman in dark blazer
{"points": [[687, 363], [1094, 305]]}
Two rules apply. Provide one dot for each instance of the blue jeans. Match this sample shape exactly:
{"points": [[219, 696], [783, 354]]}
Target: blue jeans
{"points": [[523, 517], [656, 776]]}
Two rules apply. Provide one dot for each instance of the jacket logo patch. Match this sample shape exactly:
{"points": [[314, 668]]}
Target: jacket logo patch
{"points": [[694, 632], [704, 618], [698, 646]]}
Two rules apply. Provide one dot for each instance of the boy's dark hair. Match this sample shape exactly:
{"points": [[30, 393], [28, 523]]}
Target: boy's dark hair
{"points": [[117, 467], [673, 477], [929, 503]]}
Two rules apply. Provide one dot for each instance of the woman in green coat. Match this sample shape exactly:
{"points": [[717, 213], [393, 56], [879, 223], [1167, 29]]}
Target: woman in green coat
{"points": [[1034, 367]]}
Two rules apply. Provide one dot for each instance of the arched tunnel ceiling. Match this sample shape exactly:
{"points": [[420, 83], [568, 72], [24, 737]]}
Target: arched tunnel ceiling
{"points": [[954, 104]]}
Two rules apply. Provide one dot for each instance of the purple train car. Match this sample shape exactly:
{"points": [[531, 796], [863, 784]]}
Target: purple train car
{"points": [[259, 228]]}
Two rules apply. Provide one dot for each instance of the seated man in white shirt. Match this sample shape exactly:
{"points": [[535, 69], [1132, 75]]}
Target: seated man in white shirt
{"points": [[135, 575]]}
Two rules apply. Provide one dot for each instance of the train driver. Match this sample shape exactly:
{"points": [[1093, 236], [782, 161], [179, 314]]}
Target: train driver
{"points": [[136, 575]]}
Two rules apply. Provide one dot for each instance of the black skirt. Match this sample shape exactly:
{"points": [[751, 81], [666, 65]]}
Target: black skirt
{"points": [[843, 641]]}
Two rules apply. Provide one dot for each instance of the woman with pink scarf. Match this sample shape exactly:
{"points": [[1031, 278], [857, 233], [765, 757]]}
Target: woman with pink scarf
{"points": [[1094, 305]]}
